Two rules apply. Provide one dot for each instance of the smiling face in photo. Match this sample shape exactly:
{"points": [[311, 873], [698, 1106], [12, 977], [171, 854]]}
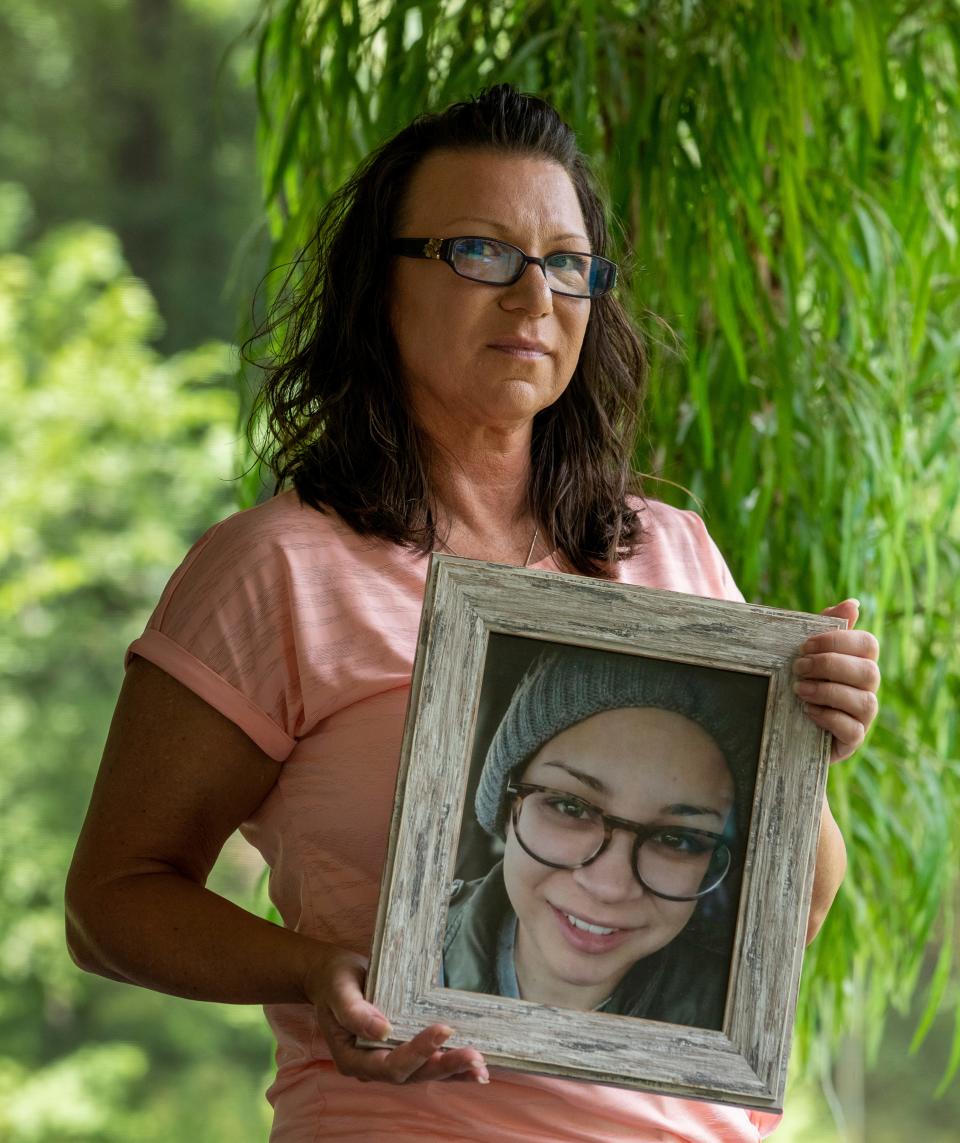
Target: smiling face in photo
{"points": [[580, 930]]}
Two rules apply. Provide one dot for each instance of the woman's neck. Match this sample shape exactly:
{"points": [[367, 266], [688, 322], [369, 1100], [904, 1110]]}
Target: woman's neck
{"points": [[481, 493]]}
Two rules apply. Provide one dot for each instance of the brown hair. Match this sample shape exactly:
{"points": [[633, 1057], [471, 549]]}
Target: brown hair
{"points": [[338, 422]]}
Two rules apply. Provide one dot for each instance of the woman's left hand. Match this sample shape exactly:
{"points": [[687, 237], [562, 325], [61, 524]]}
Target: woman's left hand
{"points": [[838, 679]]}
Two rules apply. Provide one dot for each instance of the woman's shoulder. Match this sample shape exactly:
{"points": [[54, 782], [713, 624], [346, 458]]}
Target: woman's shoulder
{"points": [[284, 521], [658, 516], [288, 533], [676, 552], [475, 914], [482, 901], [283, 557]]}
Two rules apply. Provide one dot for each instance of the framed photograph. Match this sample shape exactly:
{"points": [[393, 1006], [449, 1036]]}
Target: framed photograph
{"points": [[603, 840]]}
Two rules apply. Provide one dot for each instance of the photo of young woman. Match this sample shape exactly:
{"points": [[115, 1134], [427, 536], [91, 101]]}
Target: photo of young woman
{"points": [[620, 787]]}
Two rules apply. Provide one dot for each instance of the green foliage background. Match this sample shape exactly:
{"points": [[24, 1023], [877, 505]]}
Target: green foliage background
{"points": [[130, 114], [118, 442], [785, 180], [114, 461]]}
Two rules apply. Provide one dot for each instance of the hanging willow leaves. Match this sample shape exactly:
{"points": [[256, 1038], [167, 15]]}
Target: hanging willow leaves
{"points": [[785, 181]]}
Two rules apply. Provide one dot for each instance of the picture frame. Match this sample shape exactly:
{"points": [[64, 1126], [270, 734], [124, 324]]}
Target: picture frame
{"points": [[482, 627]]}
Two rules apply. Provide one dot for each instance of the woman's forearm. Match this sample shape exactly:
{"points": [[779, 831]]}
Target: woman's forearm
{"points": [[829, 872], [163, 931]]}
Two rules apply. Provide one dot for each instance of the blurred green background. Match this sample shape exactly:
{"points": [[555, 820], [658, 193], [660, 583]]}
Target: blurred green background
{"points": [[785, 176]]}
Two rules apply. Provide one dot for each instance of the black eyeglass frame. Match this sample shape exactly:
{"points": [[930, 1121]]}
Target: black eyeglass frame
{"points": [[520, 790], [441, 250]]}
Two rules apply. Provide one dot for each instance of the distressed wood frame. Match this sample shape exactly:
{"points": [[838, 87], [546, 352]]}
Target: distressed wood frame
{"points": [[465, 602]]}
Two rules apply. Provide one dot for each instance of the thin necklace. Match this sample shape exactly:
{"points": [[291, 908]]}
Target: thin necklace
{"points": [[526, 562], [533, 544]]}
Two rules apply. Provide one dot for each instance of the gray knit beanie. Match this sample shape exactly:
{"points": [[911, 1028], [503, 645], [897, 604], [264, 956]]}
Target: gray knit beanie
{"points": [[564, 687]]}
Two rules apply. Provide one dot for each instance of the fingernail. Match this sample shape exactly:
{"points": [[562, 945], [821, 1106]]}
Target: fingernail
{"points": [[483, 1076], [378, 1028], [804, 689], [801, 666]]}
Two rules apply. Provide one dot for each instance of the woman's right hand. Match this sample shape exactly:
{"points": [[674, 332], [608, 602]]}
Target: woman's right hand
{"points": [[334, 985]]}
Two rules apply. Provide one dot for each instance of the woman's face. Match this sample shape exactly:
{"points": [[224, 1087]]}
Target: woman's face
{"points": [[476, 355], [580, 930]]}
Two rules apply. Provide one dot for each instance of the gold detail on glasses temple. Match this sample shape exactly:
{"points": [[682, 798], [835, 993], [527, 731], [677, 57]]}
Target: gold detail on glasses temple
{"points": [[431, 248]]}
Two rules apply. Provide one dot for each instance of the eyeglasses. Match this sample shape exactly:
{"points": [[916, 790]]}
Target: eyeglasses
{"points": [[496, 263], [565, 832]]}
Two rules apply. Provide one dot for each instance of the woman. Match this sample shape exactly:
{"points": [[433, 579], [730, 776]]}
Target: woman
{"points": [[488, 407], [622, 787]]}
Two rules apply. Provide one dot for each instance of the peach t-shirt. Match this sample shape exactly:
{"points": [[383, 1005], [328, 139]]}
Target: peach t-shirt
{"points": [[303, 634]]}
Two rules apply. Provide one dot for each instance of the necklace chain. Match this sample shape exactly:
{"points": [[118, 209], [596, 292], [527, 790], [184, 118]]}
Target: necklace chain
{"points": [[533, 544], [526, 563]]}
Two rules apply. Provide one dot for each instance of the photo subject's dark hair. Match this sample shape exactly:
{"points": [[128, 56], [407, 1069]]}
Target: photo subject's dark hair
{"points": [[338, 422]]}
